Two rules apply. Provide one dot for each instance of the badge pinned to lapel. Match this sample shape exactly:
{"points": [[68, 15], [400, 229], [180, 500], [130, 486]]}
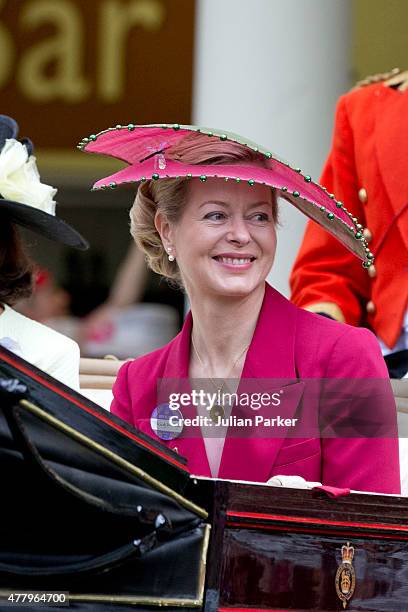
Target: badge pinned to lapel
{"points": [[166, 423]]}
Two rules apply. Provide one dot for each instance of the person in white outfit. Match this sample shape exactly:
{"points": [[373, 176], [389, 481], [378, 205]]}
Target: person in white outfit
{"points": [[27, 202]]}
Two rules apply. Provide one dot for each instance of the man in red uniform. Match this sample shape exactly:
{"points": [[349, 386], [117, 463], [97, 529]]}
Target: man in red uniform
{"points": [[367, 169]]}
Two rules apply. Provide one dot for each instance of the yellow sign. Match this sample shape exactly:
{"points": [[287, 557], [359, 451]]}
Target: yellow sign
{"points": [[69, 67]]}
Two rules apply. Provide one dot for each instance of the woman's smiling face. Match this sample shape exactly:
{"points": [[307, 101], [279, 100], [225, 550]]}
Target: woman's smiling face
{"points": [[225, 241]]}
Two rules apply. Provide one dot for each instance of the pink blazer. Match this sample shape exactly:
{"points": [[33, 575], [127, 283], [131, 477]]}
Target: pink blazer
{"points": [[288, 343]]}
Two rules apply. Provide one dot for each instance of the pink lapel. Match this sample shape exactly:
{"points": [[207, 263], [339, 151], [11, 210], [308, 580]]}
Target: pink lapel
{"points": [[176, 367], [392, 150], [270, 356]]}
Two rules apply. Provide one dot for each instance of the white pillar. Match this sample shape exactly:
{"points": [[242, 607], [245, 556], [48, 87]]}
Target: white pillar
{"points": [[272, 70]]}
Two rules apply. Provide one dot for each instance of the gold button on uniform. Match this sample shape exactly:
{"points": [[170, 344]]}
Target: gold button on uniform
{"points": [[372, 272], [370, 307], [362, 195], [367, 234]]}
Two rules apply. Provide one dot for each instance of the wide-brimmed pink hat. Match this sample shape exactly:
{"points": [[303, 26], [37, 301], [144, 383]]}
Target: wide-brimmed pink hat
{"points": [[144, 148]]}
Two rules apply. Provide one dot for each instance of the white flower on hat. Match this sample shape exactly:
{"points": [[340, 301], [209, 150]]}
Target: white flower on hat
{"points": [[20, 179]]}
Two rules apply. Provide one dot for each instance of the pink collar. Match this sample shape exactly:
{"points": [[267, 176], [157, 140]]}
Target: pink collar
{"points": [[272, 350]]}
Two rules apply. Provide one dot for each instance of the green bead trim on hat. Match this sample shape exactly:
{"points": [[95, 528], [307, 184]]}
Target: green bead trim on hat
{"points": [[225, 136], [296, 194]]}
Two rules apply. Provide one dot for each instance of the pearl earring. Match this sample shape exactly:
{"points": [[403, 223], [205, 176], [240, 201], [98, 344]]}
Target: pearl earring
{"points": [[171, 257]]}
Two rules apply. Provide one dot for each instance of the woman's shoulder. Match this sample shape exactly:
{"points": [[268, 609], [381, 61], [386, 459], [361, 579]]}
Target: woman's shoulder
{"points": [[316, 336], [149, 365], [313, 324], [27, 331], [136, 382], [42, 346], [341, 349]]}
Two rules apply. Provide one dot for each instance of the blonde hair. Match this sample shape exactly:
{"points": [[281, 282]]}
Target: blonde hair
{"points": [[169, 195]]}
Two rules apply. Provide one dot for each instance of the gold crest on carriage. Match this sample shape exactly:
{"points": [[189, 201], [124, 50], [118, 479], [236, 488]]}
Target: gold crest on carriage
{"points": [[345, 576]]}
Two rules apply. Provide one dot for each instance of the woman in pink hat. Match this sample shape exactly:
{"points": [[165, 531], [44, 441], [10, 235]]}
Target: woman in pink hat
{"points": [[205, 215]]}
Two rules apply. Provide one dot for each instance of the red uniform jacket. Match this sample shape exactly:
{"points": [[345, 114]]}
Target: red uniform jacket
{"points": [[367, 170]]}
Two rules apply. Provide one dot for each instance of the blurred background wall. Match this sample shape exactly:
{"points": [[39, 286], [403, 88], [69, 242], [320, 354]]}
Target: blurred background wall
{"points": [[380, 36], [269, 69], [273, 70], [70, 68]]}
